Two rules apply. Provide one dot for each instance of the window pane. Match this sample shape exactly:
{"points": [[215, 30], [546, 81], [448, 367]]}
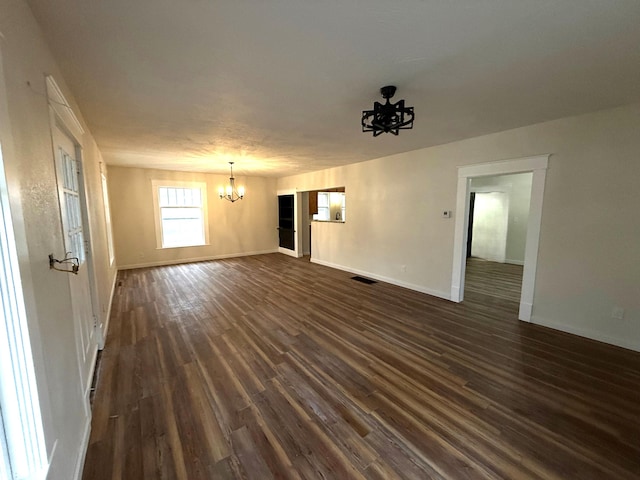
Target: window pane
{"points": [[323, 213], [163, 196], [182, 227], [323, 199], [179, 197]]}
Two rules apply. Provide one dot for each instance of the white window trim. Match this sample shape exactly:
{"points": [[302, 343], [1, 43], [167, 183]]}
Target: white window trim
{"points": [[155, 185], [107, 216]]}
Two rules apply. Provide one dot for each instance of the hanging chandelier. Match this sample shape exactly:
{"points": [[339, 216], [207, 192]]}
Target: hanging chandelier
{"points": [[388, 117], [231, 193]]}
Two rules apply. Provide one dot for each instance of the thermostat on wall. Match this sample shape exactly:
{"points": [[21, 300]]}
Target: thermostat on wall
{"points": [[446, 214]]}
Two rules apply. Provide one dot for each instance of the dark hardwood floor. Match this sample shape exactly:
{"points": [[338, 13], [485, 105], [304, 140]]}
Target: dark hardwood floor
{"points": [[271, 367], [502, 280]]}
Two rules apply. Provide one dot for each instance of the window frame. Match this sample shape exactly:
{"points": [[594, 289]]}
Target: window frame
{"points": [[107, 217], [324, 208], [202, 186]]}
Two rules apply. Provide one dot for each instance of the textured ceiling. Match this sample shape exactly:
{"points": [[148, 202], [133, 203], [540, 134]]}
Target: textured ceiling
{"points": [[279, 86]]}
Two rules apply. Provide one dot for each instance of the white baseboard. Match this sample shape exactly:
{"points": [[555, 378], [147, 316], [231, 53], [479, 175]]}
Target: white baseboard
{"points": [[193, 260], [526, 309], [455, 294], [94, 358], [587, 333], [83, 451], [286, 251], [45, 471], [105, 322], [514, 262], [382, 278]]}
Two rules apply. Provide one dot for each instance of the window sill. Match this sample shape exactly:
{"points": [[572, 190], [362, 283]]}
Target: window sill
{"points": [[184, 246]]}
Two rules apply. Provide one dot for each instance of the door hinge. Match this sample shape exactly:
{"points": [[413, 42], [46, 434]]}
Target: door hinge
{"points": [[86, 247]]}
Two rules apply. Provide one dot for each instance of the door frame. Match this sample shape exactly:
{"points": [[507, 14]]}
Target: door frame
{"points": [[297, 241], [62, 117], [538, 166]]}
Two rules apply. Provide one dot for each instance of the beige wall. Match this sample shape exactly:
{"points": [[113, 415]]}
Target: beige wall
{"points": [[588, 258], [25, 137], [243, 228]]}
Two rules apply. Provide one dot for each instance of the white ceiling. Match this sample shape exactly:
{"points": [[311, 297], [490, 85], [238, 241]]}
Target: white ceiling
{"points": [[279, 85]]}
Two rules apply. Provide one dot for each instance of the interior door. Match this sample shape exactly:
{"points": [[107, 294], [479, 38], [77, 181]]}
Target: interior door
{"points": [[472, 202], [286, 221], [71, 198]]}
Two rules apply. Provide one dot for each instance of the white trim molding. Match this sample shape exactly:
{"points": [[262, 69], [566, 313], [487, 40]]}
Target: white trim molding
{"points": [[20, 399], [595, 335], [104, 326], [62, 109], [286, 251], [297, 198], [162, 263], [382, 278], [538, 165]]}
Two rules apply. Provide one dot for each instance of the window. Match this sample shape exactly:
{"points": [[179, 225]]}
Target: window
{"points": [[181, 219], [107, 216], [331, 207], [323, 207]]}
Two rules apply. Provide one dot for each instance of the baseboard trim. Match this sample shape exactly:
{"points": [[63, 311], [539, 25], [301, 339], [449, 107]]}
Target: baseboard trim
{"points": [[526, 309], [45, 471], [514, 262], [83, 450], [94, 359], [286, 251], [586, 333], [105, 322], [382, 278], [194, 260]]}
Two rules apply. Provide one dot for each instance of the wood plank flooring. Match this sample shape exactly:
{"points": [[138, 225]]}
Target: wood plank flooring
{"points": [[271, 367], [503, 280]]}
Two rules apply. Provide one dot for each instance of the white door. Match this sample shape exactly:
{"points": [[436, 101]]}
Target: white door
{"points": [[71, 197], [490, 223]]}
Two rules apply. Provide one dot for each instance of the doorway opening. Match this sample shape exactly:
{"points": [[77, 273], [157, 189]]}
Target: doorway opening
{"points": [[287, 224], [537, 167], [496, 236]]}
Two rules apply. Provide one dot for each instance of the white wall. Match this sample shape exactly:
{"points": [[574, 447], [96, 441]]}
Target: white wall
{"points": [[306, 222], [245, 227], [490, 226], [518, 187], [589, 256], [26, 141]]}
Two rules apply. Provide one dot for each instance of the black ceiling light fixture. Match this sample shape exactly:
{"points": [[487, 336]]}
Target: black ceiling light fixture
{"points": [[388, 117]]}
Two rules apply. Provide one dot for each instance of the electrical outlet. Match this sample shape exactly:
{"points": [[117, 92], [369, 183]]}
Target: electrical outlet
{"points": [[617, 313], [446, 214], [403, 268]]}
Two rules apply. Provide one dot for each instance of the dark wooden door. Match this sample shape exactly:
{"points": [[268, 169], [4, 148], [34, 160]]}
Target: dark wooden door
{"points": [[285, 221], [472, 204]]}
